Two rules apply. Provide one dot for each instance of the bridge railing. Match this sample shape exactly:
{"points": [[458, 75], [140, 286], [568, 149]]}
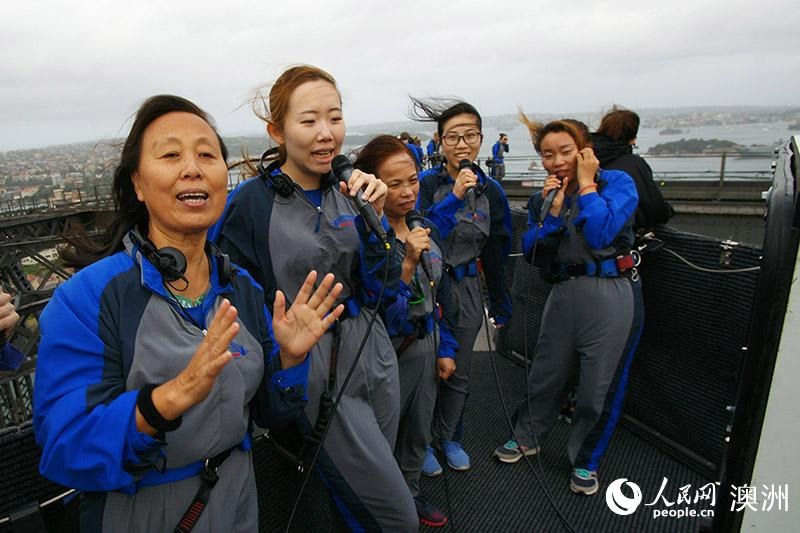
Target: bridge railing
{"points": [[97, 197], [709, 165], [717, 166]]}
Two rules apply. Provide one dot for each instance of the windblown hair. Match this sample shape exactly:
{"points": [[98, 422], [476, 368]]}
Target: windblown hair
{"points": [[129, 212], [440, 110], [574, 128]]}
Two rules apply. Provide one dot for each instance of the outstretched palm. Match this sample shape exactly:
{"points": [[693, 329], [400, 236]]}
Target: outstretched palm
{"points": [[306, 321]]}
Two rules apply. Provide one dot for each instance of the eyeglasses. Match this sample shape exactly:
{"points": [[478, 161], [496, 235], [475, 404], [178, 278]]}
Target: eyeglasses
{"points": [[471, 137]]}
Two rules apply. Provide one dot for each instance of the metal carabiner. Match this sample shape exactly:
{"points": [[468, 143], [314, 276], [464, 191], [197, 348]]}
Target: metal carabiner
{"points": [[637, 258], [634, 275]]}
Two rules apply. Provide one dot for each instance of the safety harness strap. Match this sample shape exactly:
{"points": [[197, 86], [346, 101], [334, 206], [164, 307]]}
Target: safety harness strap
{"points": [[613, 267], [463, 270], [208, 478]]}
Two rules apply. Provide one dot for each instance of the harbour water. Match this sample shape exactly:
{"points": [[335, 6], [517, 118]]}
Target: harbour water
{"points": [[764, 136]]}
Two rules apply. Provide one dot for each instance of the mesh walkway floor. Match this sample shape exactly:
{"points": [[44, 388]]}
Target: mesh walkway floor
{"points": [[492, 496]]}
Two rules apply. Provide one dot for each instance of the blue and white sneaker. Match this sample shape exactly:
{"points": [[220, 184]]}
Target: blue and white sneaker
{"points": [[584, 481], [457, 458], [431, 466], [511, 452]]}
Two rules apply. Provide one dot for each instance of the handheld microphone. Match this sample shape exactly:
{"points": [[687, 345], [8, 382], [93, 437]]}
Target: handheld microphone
{"points": [[547, 204], [342, 169], [414, 221], [466, 163]]}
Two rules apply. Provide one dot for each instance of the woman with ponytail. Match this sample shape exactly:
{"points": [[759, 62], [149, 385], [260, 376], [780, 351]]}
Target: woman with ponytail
{"points": [[292, 215]]}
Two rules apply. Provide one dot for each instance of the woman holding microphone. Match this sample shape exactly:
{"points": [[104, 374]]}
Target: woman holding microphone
{"points": [[294, 214], [472, 214], [425, 346], [594, 314]]}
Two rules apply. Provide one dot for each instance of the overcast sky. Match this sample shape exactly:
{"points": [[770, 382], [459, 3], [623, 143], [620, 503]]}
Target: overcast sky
{"points": [[74, 71]]}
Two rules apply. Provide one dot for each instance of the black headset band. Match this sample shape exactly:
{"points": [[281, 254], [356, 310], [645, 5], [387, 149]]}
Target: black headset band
{"points": [[282, 183], [171, 262]]}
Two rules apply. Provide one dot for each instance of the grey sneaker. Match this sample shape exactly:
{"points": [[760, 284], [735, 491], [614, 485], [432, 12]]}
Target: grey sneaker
{"points": [[584, 481], [511, 452]]}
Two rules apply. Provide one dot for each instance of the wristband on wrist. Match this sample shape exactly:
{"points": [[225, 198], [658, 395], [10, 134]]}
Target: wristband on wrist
{"points": [[590, 186], [144, 401]]}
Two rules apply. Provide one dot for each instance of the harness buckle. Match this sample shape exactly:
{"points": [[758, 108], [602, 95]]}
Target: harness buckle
{"points": [[209, 472]]}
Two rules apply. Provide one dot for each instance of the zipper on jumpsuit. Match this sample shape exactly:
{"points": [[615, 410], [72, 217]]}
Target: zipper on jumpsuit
{"points": [[318, 208]]}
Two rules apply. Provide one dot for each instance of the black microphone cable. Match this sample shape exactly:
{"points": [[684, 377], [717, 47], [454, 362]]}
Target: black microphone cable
{"points": [[312, 463], [539, 480], [436, 329]]}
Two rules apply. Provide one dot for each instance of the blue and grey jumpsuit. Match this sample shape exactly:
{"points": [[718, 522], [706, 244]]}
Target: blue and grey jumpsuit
{"points": [[280, 239], [485, 234], [432, 153], [499, 151], [419, 338], [113, 328], [417, 152], [591, 321]]}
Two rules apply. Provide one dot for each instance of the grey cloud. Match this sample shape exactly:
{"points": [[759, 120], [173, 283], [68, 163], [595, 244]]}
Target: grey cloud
{"points": [[75, 71]]}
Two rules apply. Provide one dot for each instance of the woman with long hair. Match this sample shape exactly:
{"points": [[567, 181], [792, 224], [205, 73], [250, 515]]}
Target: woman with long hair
{"points": [[593, 316], [425, 346], [155, 357], [294, 214], [472, 213]]}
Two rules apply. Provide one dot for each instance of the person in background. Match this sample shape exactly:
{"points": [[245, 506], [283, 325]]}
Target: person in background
{"points": [[10, 357], [433, 150], [419, 154], [294, 214], [156, 357], [425, 346], [473, 217], [594, 314], [613, 143], [499, 150], [413, 148]]}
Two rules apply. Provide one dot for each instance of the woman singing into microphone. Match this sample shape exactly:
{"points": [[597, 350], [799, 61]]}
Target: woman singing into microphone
{"points": [[425, 346], [593, 316], [471, 211], [293, 214]]}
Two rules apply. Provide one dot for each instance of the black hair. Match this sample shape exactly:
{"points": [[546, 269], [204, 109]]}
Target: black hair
{"points": [[440, 110], [129, 211]]}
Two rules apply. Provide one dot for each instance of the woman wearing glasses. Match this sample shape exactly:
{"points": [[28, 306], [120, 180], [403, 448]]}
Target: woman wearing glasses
{"points": [[472, 214]]}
